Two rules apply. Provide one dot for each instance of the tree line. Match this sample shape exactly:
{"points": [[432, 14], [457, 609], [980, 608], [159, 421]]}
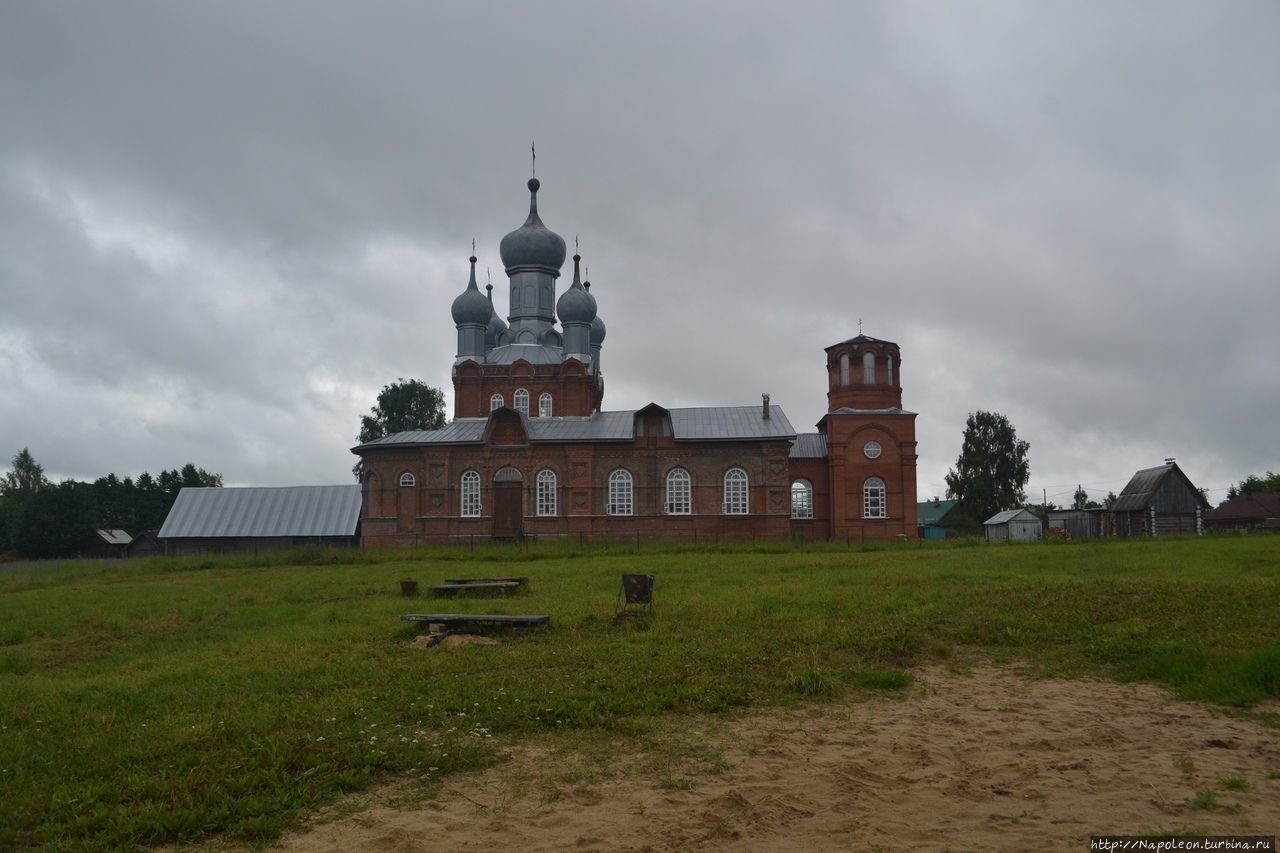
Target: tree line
{"points": [[39, 518]]}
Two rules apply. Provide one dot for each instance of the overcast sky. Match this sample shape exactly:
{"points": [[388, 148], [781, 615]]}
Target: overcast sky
{"points": [[224, 226]]}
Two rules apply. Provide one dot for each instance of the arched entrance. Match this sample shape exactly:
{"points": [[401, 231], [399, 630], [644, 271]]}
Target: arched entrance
{"points": [[508, 509]]}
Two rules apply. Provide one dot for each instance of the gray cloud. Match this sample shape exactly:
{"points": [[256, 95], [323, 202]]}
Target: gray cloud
{"points": [[223, 228]]}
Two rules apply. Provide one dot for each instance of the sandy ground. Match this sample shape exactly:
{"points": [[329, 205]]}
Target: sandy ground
{"points": [[980, 761]]}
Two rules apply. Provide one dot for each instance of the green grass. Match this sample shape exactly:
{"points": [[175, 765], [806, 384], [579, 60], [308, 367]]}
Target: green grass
{"points": [[170, 700]]}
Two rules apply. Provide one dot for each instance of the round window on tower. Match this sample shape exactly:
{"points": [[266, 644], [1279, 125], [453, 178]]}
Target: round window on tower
{"points": [[871, 449]]}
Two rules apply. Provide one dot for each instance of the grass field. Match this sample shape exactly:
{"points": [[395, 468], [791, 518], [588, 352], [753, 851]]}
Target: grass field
{"points": [[170, 700]]}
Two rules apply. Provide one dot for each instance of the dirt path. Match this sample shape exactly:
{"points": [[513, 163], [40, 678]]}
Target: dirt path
{"points": [[981, 761]]}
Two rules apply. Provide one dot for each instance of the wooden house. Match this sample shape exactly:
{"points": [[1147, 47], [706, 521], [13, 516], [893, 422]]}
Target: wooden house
{"points": [[1159, 501]]}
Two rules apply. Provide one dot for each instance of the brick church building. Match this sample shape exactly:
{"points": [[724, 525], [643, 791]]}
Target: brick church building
{"points": [[531, 452]]}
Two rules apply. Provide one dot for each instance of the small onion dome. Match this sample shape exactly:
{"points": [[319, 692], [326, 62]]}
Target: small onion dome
{"points": [[471, 308], [532, 244], [576, 305], [496, 326], [597, 325]]}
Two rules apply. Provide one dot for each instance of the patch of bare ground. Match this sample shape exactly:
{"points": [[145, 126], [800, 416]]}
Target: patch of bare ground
{"points": [[981, 760]]}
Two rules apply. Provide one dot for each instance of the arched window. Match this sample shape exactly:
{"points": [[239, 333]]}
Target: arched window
{"points": [[406, 479], [546, 492], [522, 401], [844, 368], [873, 498], [495, 402], [678, 492], [889, 361], [735, 492], [620, 492], [470, 494], [802, 499], [544, 405], [868, 368]]}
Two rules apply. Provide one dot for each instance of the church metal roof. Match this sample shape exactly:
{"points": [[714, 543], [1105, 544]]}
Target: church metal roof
{"points": [[809, 445], [263, 511], [707, 423]]}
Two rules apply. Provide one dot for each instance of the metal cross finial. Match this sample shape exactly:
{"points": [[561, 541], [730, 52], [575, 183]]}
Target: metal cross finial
{"points": [[533, 151], [488, 278], [473, 245], [859, 325], [575, 244]]}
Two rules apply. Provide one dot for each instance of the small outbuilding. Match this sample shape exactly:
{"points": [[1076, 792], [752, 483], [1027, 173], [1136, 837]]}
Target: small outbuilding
{"points": [[930, 515], [109, 542], [222, 520], [1014, 525], [145, 544], [1076, 523], [1159, 501], [1254, 511]]}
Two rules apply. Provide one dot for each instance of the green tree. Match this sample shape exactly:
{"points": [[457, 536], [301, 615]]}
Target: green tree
{"points": [[992, 470], [1269, 482], [406, 404], [1109, 500], [1080, 500], [26, 475]]}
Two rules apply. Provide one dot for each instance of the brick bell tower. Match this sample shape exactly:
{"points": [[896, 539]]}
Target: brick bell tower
{"points": [[529, 365], [871, 442]]}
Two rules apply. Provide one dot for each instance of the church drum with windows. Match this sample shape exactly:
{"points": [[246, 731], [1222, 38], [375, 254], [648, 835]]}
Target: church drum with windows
{"points": [[530, 452]]}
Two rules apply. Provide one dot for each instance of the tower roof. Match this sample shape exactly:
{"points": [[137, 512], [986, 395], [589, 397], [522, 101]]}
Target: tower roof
{"points": [[576, 305], [533, 244], [471, 308]]}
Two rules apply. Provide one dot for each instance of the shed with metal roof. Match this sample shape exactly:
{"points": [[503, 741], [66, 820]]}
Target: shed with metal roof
{"points": [[1014, 525], [219, 520]]}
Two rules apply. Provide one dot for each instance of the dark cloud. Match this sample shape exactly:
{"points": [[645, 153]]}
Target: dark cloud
{"points": [[223, 228]]}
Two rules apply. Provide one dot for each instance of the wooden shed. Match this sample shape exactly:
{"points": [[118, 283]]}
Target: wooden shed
{"points": [[1014, 525], [1159, 501], [1253, 511], [1076, 523]]}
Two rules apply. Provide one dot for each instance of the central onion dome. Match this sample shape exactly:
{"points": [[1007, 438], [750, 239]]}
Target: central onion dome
{"points": [[576, 305], [533, 244], [471, 308]]}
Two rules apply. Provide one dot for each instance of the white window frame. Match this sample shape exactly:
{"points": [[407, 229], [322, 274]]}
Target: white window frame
{"points": [[889, 362], [621, 496], [470, 486], [679, 497], [407, 479], [546, 492], [544, 405], [873, 498], [844, 368], [802, 508], [496, 402], [520, 401], [737, 492]]}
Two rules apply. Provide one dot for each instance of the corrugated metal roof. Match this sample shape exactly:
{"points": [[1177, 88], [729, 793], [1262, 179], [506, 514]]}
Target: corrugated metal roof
{"points": [[809, 445], [114, 536], [532, 353], [1009, 515], [726, 423], [264, 511], [1141, 488], [859, 339], [711, 423]]}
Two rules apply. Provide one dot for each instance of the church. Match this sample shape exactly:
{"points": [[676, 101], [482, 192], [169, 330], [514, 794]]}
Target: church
{"points": [[531, 452]]}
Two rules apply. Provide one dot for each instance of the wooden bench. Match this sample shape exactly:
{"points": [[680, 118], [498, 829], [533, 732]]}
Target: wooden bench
{"points": [[452, 588], [448, 619], [521, 581]]}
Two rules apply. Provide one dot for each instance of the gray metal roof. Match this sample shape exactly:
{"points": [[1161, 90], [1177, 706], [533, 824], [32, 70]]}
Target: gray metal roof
{"points": [[1009, 515], [114, 536], [711, 423], [809, 445], [532, 353], [892, 410], [727, 423], [264, 511], [1141, 488]]}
